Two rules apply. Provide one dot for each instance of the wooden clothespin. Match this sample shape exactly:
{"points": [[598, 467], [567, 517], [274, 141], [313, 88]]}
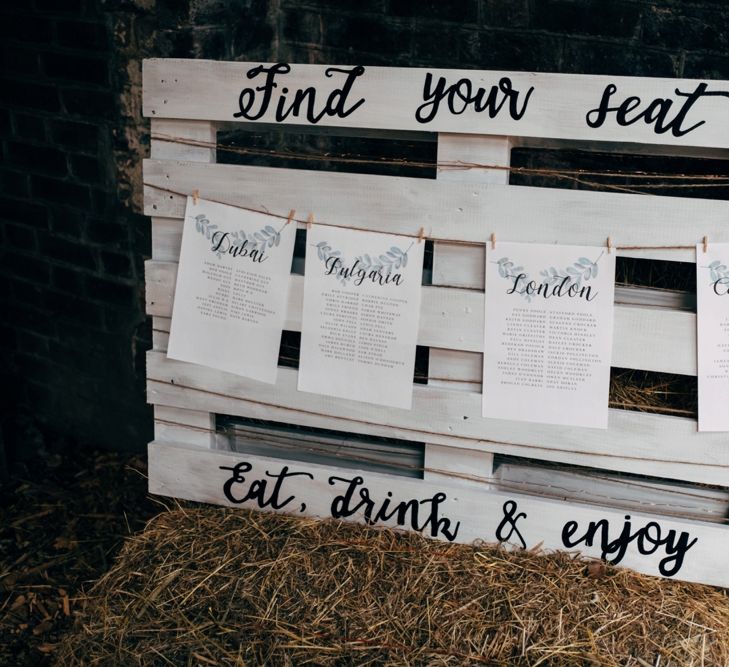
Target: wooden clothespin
{"points": [[706, 243], [309, 221], [292, 213], [609, 244], [421, 234], [493, 241], [195, 197]]}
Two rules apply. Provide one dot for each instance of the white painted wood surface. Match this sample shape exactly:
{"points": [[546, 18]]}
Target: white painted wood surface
{"points": [[641, 443], [182, 471], [448, 211], [209, 90], [654, 339], [190, 427], [175, 424]]}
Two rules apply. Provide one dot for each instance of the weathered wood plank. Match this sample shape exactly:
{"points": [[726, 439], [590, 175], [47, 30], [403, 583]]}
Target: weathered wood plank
{"points": [[467, 212], [190, 427], [210, 90], [640, 443], [654, 339], [466, 512]]}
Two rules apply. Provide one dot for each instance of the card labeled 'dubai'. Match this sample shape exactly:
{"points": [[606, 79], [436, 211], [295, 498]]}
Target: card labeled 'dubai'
{"points": [[712, 320], [361, 314], [548, 333], [232, 289]]}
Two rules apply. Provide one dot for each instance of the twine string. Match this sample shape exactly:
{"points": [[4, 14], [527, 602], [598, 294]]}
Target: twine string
{"points": [[418, 235]]}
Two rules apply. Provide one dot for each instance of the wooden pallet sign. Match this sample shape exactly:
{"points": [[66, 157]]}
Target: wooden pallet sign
{"points": [[440, 467]]}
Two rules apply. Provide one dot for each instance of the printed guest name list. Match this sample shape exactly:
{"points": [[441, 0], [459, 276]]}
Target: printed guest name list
{"points": [[712, 305], [548, 333], [361, 313], [232, 289]]}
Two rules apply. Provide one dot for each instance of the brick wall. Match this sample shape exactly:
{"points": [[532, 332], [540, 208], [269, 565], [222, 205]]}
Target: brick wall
{"points": [[73, 331]]}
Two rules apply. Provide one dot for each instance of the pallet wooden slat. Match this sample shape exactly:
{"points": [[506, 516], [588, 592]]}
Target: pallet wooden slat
{"points": [[209, 90], [653, 339], [641, 443], [473, 512], [448, 210]]}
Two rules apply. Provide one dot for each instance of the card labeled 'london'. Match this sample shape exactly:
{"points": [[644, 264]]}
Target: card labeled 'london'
{"points": [[361, 314], [712, 317], [548, 333], [232, 289]]}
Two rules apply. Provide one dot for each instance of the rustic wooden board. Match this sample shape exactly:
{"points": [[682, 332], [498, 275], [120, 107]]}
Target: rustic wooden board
{"points": [[464, 513], [557, 108], [447, 210], [655, 339], [656, 445]]}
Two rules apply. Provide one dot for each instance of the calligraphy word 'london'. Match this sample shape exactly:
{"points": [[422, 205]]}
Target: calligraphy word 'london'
{"points": [[565, 288], [303, 99], [335, 266], [461, 95], [405, 513], [655, 113], [222, 243], [648, 540], [258, 490]]}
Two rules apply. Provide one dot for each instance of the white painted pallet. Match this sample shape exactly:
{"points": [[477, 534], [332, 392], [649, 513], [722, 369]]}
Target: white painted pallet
{"points": [[654, 330]]}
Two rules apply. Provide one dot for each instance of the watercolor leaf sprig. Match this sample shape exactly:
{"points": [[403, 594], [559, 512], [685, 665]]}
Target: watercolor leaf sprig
{"points": [[718, 270]]}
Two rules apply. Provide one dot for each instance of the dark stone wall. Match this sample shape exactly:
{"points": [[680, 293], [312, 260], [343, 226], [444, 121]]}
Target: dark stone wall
{"points": [[72, 330]]}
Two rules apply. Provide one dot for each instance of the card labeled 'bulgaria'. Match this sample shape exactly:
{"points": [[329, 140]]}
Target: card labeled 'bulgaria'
{"points": [[712, 317], [548, 333], [361, 314], [232, 289]]}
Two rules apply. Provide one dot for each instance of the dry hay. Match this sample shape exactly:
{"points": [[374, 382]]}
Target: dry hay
{"points": [[218, 587]]}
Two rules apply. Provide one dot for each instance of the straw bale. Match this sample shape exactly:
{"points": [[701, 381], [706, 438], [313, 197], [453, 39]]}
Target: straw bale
{"points": [[208, 586]]}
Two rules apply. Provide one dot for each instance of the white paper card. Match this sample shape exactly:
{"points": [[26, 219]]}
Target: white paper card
{"points": [[712, 318], [232, 289], [361, 312], [548, 333]]}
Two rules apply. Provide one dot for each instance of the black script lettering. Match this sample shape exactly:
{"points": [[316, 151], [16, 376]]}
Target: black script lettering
{"points": [[334, 265], [724, 284], [258, 488], [461, 94], [565, 288], [509, 521], [656, 112], [222, 243], [303, 99], [404, 513], [648, 540]]}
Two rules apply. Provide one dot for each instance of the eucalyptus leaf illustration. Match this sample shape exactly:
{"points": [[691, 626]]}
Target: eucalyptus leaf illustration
{"points": [[718, 270]]}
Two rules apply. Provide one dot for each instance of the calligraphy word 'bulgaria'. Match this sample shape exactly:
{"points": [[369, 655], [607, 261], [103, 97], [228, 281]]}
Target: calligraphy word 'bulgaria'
{"points": [[405, 513], [303, 99], [259, 490], [655, 113], [648, 540], [462, 94], [565, 288], [221, 243], [335, 266]]}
